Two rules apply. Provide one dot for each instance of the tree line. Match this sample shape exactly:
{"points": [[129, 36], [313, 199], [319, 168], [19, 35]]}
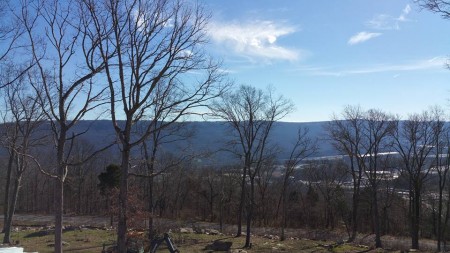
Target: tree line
{"points": [[388, 168], [136, 61]]}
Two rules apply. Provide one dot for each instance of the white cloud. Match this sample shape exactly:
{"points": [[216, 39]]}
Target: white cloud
{"points": [[388, 22], [405, 12], [186, 53], [435, 63], [257, 39], [362, 37]]}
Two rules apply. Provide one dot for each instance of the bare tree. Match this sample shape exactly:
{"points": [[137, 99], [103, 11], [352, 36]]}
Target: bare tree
{"points": [[9, 165], [154, 157], [380, 127], [11, 75], [208, 179], [304, 147], [414, 141], [251, 114], [65, 67], [229, 182], [363, 136], [11, 33], [441, 7], [265, 194], [152, 51], [346, 134], [22, 118], [442, 165], [78, 175], [152, 150], [328, 177]]}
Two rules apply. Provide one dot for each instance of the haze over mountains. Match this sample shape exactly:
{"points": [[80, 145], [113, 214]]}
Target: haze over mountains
{"points": [[212, 136]]}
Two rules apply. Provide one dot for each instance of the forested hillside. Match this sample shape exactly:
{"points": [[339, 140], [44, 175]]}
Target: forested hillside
{"points": [[212, 136]]}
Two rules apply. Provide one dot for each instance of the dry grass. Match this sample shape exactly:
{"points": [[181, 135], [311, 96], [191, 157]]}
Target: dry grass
{"points": [[92, 240], [85, 240]]}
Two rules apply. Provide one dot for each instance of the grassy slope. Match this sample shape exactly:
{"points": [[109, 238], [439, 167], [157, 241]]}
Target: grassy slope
{"points": [[91, 240]]}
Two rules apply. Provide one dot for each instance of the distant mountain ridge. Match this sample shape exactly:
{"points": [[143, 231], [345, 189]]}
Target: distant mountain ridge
{"points": [[212, 135]]}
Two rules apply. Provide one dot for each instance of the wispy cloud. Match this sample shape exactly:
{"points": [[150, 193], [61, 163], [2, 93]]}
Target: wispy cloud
{"points": [[435, 63], [405, 12], [362, 37], [388, 22], [381, 22], [256, 39]]}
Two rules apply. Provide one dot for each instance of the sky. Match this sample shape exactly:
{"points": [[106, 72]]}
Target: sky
{"points": [[324, 55]]}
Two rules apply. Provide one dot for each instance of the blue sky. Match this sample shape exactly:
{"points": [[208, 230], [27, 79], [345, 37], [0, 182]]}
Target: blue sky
{"points": [[323, 55]]}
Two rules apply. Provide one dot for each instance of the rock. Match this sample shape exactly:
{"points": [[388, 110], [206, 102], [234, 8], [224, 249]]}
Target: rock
{"points": [[237, 251], [186, 230], [69, 228], [212, 232], [219, 246], [272, 237], [199, 230], [63, 243]]}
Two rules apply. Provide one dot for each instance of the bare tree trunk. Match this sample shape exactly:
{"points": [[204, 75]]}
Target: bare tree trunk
{"points": [[7, 186], [447, 215], [439, 223], [151, 229], [241, 203], [248, 243], [123, 200], [415, 224], [59, 196], [221, 210], [59, 209], [59, 185], [282, 202], [376, 217], [11, 210], [211, 204], [151, 170], [442, 173], [283, 215], [79, 198], [355, 203]]}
